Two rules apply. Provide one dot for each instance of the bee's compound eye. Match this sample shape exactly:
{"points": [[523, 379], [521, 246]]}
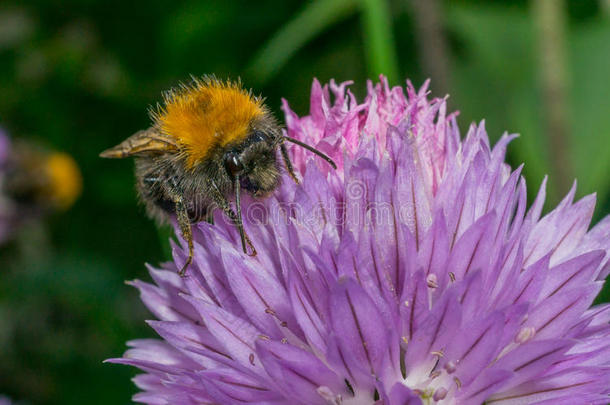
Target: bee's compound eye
{"points": [[233, 164], [259, 136]]}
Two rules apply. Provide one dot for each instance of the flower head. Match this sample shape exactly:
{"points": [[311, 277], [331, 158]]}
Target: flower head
{"points": [[415, 273]]}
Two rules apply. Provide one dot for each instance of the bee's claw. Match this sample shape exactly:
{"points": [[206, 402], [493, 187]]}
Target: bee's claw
{"points": [[247, 243], [253, 251], [250, 244], [188, 262]]}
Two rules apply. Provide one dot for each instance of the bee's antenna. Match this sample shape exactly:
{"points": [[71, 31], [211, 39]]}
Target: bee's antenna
{"points": [[311, 149]]}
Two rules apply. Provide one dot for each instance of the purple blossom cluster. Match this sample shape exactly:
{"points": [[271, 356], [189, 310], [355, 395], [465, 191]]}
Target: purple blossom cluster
{"points": [[6, 208], [458, 294]]}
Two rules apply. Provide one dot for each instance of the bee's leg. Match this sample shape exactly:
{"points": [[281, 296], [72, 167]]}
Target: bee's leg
{"points": [[224, 205], [288, 163], [185, 227], [240, 225]]}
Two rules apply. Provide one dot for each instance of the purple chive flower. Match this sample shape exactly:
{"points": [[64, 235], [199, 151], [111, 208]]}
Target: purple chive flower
{"points": [[5, 400], [6, 208], [413, 274], [4, 147]]}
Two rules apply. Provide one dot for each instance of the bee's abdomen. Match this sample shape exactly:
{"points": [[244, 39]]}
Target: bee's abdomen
{"points": [[160, 186], [196, 212], [197, 209]]}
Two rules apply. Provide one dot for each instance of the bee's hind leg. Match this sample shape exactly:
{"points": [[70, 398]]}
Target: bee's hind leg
{"points": [[185, 228]]}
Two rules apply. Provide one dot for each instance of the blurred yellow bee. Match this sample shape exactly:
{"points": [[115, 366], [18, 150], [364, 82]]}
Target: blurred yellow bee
{"points": [[34, 181], [208, 142], [40, 178]]}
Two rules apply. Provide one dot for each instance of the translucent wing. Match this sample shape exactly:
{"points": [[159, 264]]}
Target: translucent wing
{"points": [[147, 142]]}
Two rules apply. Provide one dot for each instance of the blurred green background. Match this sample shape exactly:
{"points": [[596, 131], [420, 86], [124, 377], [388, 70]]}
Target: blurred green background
{"points": [[80, 74]]}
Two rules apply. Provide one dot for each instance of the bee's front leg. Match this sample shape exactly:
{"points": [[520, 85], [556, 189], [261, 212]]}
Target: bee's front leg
{"points": [[224, 205], [288, 163]]}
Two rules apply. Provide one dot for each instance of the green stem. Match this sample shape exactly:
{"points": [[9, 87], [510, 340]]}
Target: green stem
{"points": [[432, 43], [378, 39], [551, 24]]}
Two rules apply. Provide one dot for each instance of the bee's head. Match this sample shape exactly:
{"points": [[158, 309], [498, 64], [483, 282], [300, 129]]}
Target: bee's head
{"points": [[254, 161]]}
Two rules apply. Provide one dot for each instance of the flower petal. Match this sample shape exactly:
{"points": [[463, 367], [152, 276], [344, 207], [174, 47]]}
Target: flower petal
{"points": [[301, 373], [362, 338]]}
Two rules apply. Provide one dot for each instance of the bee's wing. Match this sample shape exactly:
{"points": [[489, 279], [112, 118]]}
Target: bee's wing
{"points": [[147, 142]]}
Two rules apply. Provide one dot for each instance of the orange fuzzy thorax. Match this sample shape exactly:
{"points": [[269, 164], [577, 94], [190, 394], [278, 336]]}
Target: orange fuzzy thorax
{"points": [[207, 114]]}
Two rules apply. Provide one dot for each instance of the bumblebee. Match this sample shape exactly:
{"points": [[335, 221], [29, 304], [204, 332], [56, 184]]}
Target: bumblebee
{"points": [[36, 181], [37, 177], [210, 141]]}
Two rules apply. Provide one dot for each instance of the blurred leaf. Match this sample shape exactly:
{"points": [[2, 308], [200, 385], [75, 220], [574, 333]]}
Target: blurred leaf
{"points": [[165, 233], [497, 76], [16, 26], [590, 64], [378, 39], [495, 80], [312, 20]]}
